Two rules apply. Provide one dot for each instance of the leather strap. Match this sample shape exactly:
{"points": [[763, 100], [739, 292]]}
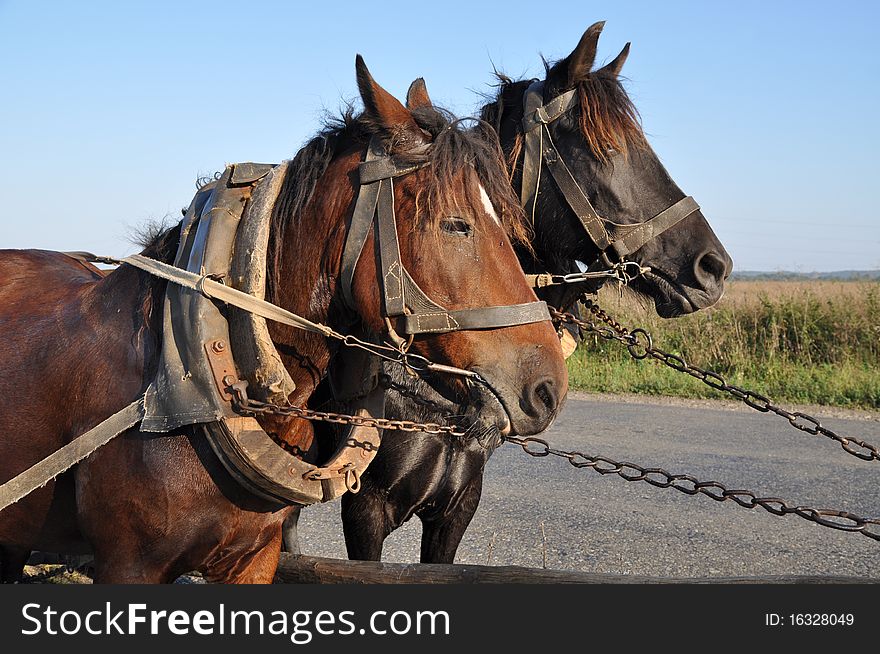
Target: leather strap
{"points": [[537, 113], [373, 170], [531, 168], [227, 294], [401, 296], [592, 222], [483, 318], [644, 232], [359, 227], [389, 251], [539, 148], [75, 451]]}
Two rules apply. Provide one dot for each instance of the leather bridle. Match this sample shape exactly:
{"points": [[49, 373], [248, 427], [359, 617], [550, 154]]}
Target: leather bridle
{"points": [[403, 302], [538, 149]]}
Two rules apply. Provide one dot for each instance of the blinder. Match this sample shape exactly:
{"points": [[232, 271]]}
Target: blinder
{"points": [[401, 296], [538, 149]]}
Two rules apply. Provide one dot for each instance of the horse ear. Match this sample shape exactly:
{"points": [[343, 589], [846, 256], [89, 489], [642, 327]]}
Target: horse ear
{"points": [[417, 97], [576, 66], [384, 109], [612, 68]]}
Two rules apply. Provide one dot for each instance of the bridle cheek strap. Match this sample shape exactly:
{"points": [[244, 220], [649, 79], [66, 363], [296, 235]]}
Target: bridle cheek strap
{"points": [[539, 149], [403, 301]]}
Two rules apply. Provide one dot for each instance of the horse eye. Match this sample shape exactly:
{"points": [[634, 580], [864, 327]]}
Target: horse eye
{"points": [[456, 226]]}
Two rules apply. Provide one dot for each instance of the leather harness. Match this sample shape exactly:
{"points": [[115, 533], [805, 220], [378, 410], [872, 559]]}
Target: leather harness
{"points": [[402, 299], [539, 149], [197, 371]]}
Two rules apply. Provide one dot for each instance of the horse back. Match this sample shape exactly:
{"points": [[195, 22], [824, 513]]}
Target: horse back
{"points": [[63, 352], [29, 279]]}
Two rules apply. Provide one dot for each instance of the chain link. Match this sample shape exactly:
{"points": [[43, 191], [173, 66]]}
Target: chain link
{"points": [[252, 407], [623, 272], [690, 485], [641, 346]]}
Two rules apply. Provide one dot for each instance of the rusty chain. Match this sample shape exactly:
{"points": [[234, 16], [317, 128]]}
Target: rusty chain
{"points": [[841, 520], [537, 447], [640, 346], [253, 407]]}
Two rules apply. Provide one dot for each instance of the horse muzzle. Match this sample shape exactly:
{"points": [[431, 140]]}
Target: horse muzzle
{"points": [[529, 407]]}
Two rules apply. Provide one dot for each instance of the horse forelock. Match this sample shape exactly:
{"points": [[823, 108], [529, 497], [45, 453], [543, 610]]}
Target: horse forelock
{"points": [[608, 118], [458, 146]]}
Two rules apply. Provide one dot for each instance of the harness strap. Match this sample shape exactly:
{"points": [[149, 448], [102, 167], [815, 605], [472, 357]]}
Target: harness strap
{"points": [[217, 291], [482, 318], [39, 474], [537, 113], [393, 296], [593, 223], [360, 225], [374, 169], [227, 294], [539, 148], [644, 232], [401, 296]]}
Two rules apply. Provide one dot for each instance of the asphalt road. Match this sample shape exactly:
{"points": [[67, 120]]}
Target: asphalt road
{"points": [[607, 525]]}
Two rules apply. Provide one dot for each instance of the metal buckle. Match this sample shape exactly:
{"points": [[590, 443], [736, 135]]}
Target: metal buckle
{"points": [[541, 115]]}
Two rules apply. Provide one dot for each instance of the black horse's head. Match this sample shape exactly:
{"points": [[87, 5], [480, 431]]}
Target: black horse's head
{"points": [[588, 118]]}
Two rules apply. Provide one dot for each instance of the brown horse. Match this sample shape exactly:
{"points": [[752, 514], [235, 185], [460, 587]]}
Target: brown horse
{"points": [[78, 346]]}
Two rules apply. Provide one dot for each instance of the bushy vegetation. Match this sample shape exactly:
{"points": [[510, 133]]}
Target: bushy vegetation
{"points": [[805, 342]]}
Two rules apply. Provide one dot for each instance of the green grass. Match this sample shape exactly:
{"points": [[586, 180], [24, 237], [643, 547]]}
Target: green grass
{"points": [[799, 342]]}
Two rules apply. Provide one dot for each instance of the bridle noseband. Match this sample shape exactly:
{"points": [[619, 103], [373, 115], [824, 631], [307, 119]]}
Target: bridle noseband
{"points": [[402, 299], [539, 149]]}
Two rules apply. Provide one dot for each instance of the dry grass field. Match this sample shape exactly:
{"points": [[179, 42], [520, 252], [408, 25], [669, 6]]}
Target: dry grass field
{"points": [[798, 341]]}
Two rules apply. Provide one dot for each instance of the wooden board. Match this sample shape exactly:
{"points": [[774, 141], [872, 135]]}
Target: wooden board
{"points": [[317, 570]]}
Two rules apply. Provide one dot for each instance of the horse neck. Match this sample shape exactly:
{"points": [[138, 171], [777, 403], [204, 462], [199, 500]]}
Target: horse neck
{"points": [[305, 279]]}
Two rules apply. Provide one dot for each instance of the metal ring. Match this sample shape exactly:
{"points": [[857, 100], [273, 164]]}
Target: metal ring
{"points": [[647, 344], [352, 480]]}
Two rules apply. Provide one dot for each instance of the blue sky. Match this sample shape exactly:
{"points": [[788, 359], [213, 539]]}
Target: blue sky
{"points": [[764, 111]]}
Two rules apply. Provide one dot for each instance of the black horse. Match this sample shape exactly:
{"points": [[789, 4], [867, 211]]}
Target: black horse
{"points": [[601, 141]]}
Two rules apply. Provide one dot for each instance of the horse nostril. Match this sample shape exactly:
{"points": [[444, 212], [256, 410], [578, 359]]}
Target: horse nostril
{"points": [[711, 269], [544, 396]]}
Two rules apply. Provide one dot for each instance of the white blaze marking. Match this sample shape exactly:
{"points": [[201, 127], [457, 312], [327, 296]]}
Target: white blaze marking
{"points": [[487, 205]]}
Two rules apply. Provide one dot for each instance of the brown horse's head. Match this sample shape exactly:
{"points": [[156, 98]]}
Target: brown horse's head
{"points": [[455, 217]]}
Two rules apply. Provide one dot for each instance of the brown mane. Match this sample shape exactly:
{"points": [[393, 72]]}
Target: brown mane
{"points": [[608, 119], [453, 148]]}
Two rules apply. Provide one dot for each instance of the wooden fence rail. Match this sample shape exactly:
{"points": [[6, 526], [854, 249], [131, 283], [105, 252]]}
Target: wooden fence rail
{"points": [[317, 570]]}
